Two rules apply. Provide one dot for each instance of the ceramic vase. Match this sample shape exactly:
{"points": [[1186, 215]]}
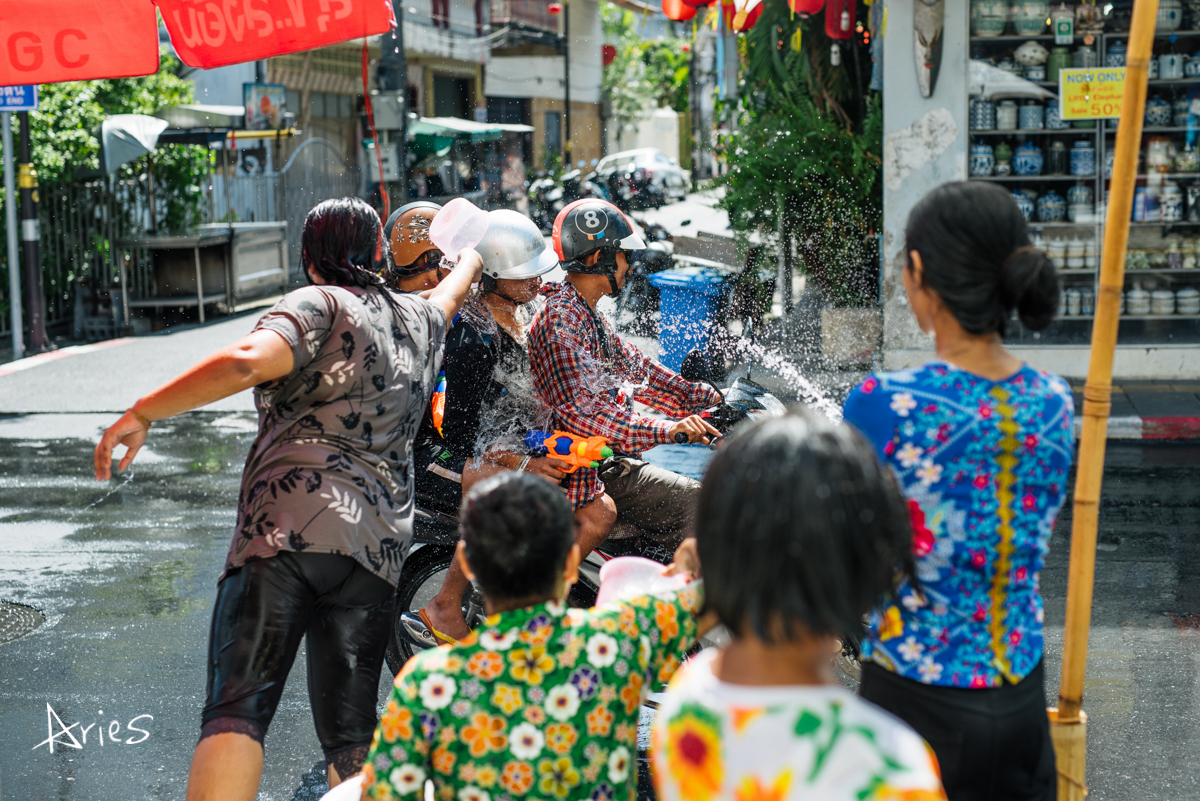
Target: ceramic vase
{"points": [[1191, 67], [1170, 16], [1158, 112], [1170, 67], [981, 161], [1114, 56], [988, 17], [983, 114], [1054, 121], [1051, 207], [1025, 205], [1027, 160], [1032, 116], [1083, 158], [1007, 116]]}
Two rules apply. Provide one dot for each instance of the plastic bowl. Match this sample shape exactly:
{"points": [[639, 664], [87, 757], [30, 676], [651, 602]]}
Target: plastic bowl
{"points": [[628, 577], [458, 226]]}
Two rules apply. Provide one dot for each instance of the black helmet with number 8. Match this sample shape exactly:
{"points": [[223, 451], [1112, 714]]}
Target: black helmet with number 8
{"points": [[590, 225]]}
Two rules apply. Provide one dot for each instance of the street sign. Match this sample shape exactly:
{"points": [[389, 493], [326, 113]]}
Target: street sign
{"points": [[18, 98], [1089, 94]]}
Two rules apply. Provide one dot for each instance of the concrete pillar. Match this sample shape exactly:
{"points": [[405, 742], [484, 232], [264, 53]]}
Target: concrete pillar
{"points": [[925, 145]]}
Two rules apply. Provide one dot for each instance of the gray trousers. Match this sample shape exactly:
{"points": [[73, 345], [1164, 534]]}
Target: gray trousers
{"points": [[656, 502]]}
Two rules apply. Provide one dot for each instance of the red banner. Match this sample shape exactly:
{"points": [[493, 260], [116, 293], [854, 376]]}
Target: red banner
{"points": [[213, 33], [51, 40]]}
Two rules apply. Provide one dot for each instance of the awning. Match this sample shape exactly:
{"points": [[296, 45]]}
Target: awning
{"points": [[436, 135]]}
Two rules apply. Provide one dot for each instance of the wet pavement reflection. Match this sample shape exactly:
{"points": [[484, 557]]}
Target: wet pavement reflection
{"points": [[125, 574]]}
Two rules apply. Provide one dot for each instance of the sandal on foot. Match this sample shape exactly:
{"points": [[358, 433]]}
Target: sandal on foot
{"points": [[445, 639]]}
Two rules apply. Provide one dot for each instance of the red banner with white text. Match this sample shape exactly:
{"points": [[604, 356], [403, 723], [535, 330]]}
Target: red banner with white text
{"points": [[213, 33], [49, 41]]}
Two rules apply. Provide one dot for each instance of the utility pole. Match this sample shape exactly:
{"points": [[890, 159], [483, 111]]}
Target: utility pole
{"points": [[10, 218], [31, 243], [392, 76], [567, 84]]}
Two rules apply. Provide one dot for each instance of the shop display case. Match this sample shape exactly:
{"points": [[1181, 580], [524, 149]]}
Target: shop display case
{"points": [[1061, 170]]}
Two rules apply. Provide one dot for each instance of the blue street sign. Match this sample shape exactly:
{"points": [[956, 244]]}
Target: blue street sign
{"points": [[18, 98]]}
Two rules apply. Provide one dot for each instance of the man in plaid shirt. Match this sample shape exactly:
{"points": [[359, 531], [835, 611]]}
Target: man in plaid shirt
{"points": [[589, 377]]}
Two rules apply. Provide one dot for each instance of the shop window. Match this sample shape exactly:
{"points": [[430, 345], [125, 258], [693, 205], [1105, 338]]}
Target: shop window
{"points": [[450, 97], [318, 105], [292, 102]]}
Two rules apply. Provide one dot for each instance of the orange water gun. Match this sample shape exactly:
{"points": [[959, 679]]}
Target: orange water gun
{"points": [[575, 451]]}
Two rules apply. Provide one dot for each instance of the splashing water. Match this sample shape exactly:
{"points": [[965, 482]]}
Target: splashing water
{"points": [[104, 497], [809, 392]]}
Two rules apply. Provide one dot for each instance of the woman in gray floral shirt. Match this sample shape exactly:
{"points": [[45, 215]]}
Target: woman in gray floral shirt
{"points": [[342, 371]]}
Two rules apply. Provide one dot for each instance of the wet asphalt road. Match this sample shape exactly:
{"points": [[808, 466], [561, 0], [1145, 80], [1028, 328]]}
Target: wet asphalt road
{"points": [[126, 573]]}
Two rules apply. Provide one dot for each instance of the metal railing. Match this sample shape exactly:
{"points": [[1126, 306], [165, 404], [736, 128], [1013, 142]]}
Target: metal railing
{"points": [[81, 222]]}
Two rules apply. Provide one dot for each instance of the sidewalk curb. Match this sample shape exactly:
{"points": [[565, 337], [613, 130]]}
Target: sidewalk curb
{"points": [[50, 356], [1149, 428]]}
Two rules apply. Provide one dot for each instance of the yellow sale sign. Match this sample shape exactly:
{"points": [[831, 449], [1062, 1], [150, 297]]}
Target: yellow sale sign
{"points": [[1088, 94]]}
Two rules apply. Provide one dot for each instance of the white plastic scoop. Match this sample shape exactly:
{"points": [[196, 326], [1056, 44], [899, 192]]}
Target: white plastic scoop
{"points": [[458, 226]]}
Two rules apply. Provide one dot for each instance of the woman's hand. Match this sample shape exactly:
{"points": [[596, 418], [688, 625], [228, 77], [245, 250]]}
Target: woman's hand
{"points": [[552, 469], [686, 561], [129, 431]]}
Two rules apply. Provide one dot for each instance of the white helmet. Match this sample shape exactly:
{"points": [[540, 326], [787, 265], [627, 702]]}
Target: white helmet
{"points": [[513, 248]]}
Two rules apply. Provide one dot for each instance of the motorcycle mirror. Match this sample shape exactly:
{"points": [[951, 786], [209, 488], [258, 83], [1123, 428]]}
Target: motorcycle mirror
{"points": [[694, 367]]}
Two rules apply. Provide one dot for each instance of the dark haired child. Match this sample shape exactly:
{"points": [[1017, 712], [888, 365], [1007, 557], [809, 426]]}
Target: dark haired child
{"points": [[798, 532], [981, 445], [542, 701]]}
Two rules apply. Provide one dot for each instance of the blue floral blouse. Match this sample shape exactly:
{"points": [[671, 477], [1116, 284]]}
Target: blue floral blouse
{"points": [[983, 468]]}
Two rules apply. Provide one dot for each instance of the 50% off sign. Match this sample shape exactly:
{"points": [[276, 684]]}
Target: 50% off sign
{"points": [[1089, 94]]}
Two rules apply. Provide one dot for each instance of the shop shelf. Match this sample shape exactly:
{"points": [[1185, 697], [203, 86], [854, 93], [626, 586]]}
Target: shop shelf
{"points": [[1030, 131], [1021, 178]]}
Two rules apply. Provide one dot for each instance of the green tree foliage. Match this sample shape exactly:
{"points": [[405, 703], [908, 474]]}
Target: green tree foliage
{"points": [[646, 73], [65, 147], [807, 153]]}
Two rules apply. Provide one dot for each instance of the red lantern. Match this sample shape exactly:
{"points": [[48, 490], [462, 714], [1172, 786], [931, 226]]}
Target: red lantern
{"points": [[554, 8], [805, 7], [676, 10], [698, 3], [608, 54], [741, 15], [839, 19]]}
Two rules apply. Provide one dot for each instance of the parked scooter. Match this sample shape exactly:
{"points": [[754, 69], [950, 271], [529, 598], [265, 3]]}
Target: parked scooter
{"points": [[435, 536], [548, 197], [633, 189]]}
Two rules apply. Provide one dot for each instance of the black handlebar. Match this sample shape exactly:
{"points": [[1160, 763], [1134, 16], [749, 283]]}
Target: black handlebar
{"points": [[681, 437]]}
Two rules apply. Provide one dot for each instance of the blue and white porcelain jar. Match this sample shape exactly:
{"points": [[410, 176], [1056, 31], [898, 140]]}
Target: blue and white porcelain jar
{"points": [[1035, 73], [1170, 66], [1191, 67], [1027, 159], [983, 114], [1158, 112], [1110, 156], [1052, 119], [1079, 193], [1051, 207], [1032, 116], [1025, 205], [1114, 56], [1170, 16], [988, 17], [1179, 112], [981, 161], [1171, 202], [1083, 158]]}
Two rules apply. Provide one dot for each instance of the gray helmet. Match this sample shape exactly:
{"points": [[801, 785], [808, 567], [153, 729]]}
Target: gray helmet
{"points": [[513, 248]]}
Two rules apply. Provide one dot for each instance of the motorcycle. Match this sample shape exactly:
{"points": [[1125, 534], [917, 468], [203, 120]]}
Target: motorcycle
{"points": [[435, 537], [548, 197], [634, 188]]}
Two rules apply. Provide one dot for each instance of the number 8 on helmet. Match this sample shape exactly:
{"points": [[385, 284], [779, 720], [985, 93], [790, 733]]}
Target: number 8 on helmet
{"points": [[588, 226]]}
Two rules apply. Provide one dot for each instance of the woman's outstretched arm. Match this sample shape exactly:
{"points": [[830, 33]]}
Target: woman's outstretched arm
{"points": [[259, 357]]}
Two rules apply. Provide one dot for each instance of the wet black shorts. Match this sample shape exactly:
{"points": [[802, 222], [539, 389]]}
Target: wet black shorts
{"points": [[438, 475], [263, 609], [991, 744]]}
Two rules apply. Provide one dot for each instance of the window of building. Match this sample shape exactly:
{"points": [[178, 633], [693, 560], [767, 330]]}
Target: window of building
{"points": [[552, 134]]}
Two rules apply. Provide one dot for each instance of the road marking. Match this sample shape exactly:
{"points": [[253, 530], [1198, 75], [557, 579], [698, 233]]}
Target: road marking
{"points": [[62, 353]]}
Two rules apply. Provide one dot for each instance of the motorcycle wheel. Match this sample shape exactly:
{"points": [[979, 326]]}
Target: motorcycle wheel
{"points": [[420, 580]]}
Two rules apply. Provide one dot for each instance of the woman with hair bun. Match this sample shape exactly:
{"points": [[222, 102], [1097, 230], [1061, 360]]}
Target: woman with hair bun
{"points": [[342, 371], [981, 445]]}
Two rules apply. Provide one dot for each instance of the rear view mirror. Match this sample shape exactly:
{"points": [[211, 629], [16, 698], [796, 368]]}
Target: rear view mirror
{"points": [[694, 367]]}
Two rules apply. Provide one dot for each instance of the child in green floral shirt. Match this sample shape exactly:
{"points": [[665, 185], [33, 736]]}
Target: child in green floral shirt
{"points": [[543, 701]]}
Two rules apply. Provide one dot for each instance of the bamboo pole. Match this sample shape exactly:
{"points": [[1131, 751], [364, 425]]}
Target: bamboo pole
{"points": [[1069, 729]]}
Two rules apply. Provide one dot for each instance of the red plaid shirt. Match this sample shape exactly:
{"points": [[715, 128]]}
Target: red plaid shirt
{"points": [[589, 379]]}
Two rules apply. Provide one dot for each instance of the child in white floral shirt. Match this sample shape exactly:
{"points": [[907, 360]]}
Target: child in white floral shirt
{"points": [[799, 531]]}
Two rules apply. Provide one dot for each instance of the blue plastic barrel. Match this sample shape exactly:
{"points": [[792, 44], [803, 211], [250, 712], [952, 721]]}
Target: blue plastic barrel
{"points": [[689, 298]]}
